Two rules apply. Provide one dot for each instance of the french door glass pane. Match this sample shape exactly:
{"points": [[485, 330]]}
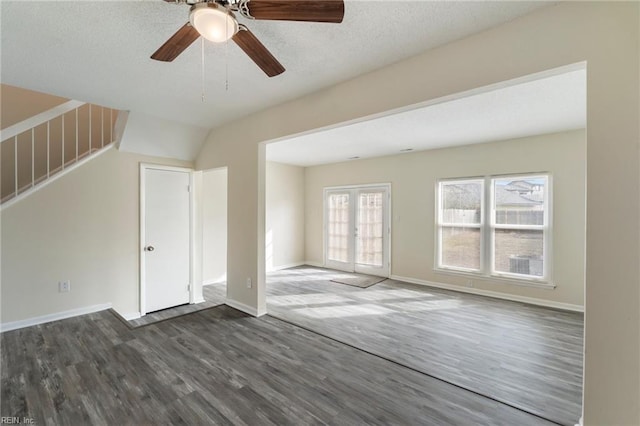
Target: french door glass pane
{"points": [[338, 228], [460, 247], [519, 251], [519, 201], [370, 228]]}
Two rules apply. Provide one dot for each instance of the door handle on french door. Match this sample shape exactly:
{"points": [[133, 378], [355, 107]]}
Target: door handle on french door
{"points": [[149, 248]]}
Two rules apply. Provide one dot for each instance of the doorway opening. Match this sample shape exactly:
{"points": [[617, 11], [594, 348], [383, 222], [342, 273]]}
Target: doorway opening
{"points": [[214, 235]]}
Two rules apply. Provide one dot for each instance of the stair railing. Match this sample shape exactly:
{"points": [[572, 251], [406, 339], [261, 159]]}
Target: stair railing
{"points": [[21, 131]]}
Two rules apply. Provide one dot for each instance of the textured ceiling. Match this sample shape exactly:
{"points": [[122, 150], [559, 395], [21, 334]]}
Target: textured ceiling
{"points": [[542, 105], [99, 52]]}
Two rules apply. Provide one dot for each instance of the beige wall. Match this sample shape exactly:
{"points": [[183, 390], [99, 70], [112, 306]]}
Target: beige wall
{"points": [[17, 104], [83, 227], [214, 236], [284, 216], [413, 179], [284, 219], [605, 35]]}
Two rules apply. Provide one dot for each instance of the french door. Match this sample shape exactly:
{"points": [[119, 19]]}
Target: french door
{"points": [[357, 229]]}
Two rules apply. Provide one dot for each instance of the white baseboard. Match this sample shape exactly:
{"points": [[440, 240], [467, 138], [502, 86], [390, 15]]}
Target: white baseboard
{"points": [[199, 300], [495, 294], [130, 316], [287, 266], [312, 263], [245, 308], [211, 282], [14, 325]]}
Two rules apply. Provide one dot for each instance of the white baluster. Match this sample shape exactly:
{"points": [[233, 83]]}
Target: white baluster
{"points": [[101, 127], [15, 155], [76, 134], [90, 128], [48, 161], [33, 155], [62, 141], [110, 125]]}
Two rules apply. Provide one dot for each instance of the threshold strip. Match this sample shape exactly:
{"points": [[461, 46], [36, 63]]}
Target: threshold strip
{"points": [[154, 322]]}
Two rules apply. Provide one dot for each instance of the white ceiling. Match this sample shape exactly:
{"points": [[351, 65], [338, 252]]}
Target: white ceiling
{"points": [[542, 105], [99, 52]]}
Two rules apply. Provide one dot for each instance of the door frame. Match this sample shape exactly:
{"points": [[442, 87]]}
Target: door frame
{"points": [[141, 243], [387, 216]]}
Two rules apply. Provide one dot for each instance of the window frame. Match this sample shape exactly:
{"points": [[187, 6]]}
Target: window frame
{"points": [[440, 224], [487, 232]]}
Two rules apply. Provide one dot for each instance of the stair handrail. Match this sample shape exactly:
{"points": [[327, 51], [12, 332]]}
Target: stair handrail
{"points": [[39, 119]]}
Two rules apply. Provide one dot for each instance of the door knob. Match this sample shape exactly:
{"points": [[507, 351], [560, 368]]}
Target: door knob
{"points": [[149, 248]]}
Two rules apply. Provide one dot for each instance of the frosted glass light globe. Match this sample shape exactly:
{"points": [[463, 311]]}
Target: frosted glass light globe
{"points": [[213, 22]]}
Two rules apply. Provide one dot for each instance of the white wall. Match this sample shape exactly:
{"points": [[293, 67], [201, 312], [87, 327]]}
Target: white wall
{"points": [[413, 180], [284, 216], [83, 227], [214, 226], [605, 35]]}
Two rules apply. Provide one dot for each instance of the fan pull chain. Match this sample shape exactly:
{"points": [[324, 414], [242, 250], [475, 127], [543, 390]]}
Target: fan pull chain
{"points": [[202, 53], [226, 61], [226, 70]]}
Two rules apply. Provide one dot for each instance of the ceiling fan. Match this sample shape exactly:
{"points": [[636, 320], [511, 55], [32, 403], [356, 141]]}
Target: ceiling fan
{"points": [[215, 20]]}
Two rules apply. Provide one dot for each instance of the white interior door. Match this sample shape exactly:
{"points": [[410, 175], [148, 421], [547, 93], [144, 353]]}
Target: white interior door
{"points": [[357, 229], [165, 238]]}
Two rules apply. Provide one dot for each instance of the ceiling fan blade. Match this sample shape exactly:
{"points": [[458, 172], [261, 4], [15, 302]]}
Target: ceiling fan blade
{"points": [[295, 10], [257, 52], [176, 44]]}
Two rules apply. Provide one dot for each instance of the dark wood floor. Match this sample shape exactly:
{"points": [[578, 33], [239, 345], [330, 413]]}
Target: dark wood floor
{"points": [[219, 366], [526, 356]]}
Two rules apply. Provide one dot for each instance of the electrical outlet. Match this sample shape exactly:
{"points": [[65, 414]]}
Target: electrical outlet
{"points": [[248, 282], [64, 286]]}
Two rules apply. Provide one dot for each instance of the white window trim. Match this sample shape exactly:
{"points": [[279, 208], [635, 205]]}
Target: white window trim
{"points": [[487, 227], [495, 278]]}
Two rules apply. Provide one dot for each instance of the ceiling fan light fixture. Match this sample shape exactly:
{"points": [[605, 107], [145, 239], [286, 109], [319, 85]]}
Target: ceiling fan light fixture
{"points": [[213, 22]]}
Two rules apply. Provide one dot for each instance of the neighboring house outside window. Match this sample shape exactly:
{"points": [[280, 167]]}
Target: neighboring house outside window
{"points": [[508, 239]]}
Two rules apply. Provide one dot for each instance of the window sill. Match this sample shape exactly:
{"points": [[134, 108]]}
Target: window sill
{"points": [[497, 278]]}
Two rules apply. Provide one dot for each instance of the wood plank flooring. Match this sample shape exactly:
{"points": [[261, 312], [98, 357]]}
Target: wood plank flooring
{"points": [[219, 366], [527, 356]]}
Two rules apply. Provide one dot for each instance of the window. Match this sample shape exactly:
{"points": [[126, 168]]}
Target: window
{"points": [[518, 226], [509, 239], [460, 224]]}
